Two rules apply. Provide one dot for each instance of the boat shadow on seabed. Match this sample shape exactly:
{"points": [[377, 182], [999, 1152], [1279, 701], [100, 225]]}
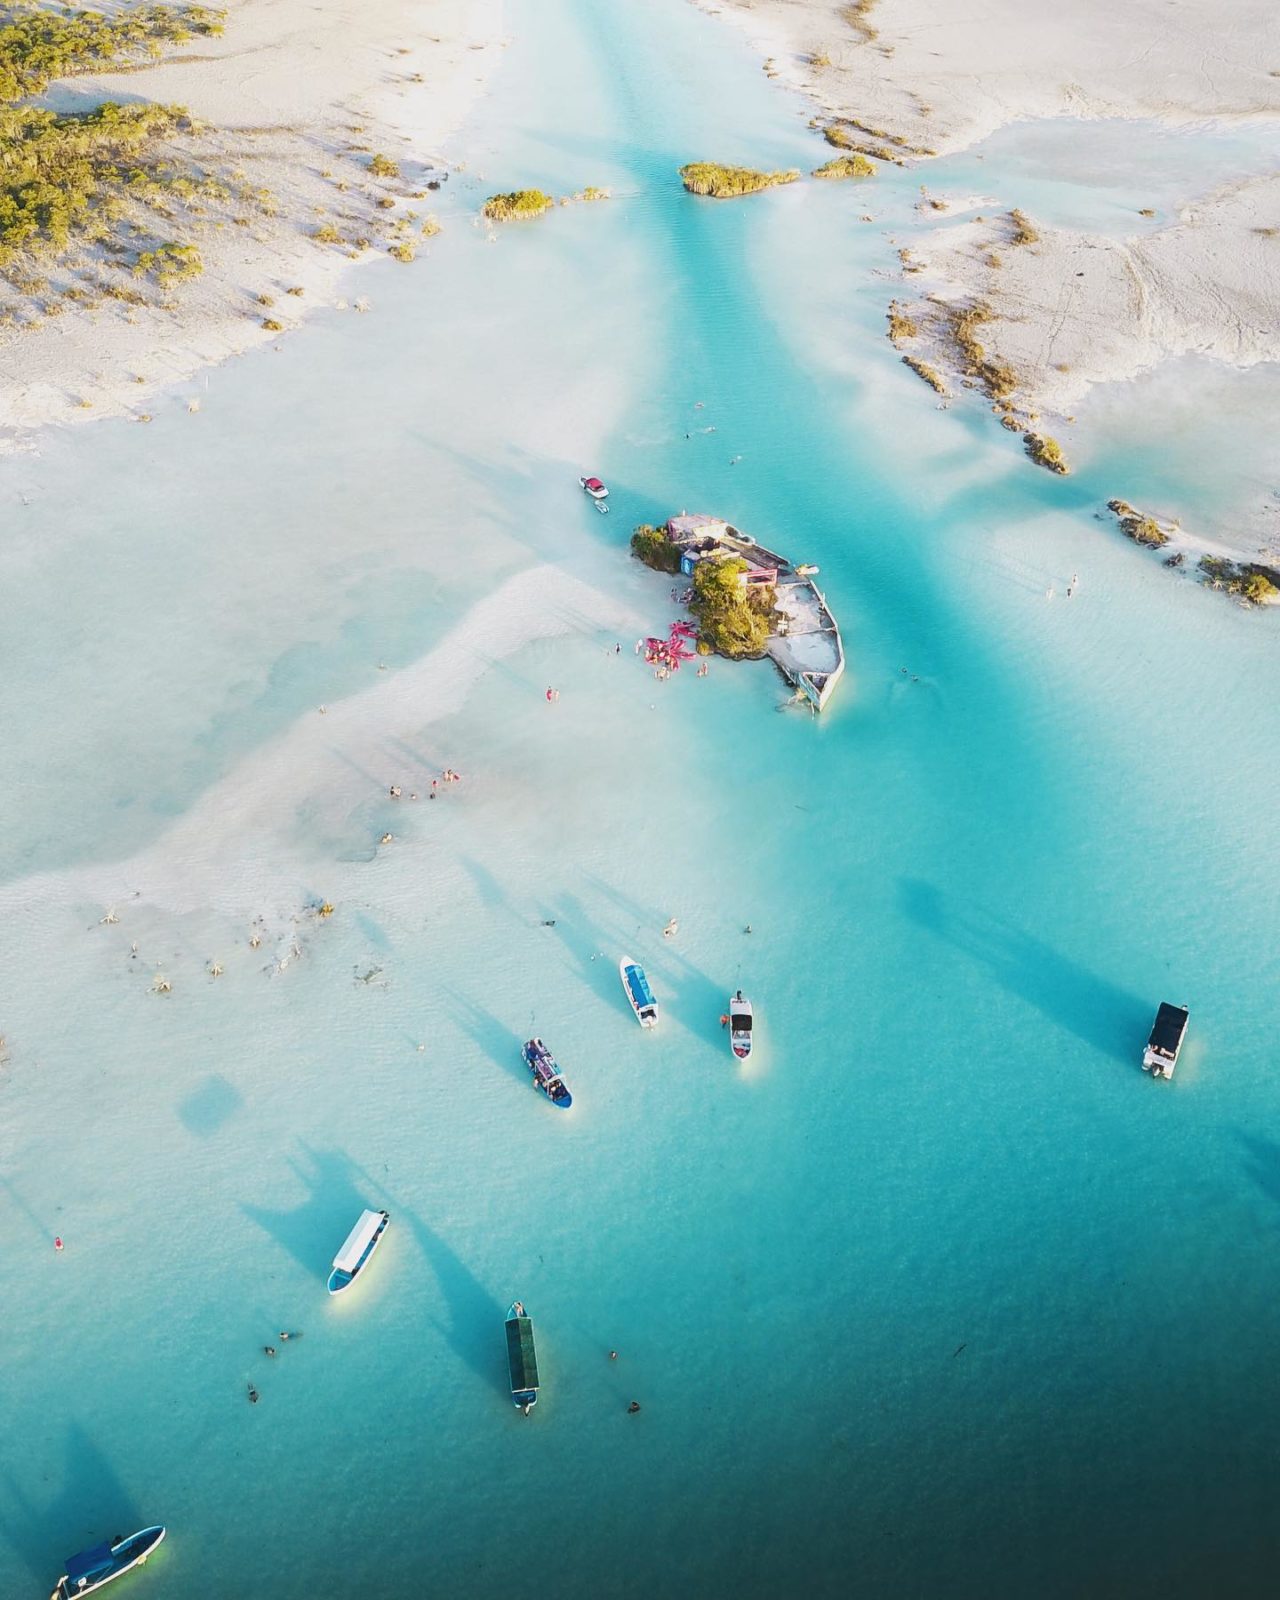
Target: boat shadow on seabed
{"points": [[473, 1328], [310, 1231], [1100, 1013], [41, 1536]]}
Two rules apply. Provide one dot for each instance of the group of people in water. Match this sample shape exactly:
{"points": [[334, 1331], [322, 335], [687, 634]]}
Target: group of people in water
{"points": [[270, 1350], [447, 776]]}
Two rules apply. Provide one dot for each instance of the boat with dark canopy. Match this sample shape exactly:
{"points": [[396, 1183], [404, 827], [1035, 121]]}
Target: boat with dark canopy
{"points": [[522, 1359], [546, 1074], [1165, 1042], [740, 1020], [93, 1568]]}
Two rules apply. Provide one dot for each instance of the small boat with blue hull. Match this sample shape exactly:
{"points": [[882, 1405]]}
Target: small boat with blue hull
{"points": [[362, 1241], [91, 1569], [740, 1021], [638, 992], [546, 1074], [522, 1359]]}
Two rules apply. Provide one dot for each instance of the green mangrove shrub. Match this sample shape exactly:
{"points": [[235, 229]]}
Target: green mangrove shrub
{"points": [[724, 183], [651, 545], [517, 206], [732, 619]]}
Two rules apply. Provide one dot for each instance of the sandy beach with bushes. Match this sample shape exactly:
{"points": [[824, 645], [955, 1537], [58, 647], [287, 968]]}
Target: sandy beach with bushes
{"points": [[1061, 310], [291, 105]]}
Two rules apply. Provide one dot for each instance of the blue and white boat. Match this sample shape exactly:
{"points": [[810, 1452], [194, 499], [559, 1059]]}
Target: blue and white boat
{"points": [[522, 1358], [546, 1074], [362, 1241], [93, 1568], [638, 992]]}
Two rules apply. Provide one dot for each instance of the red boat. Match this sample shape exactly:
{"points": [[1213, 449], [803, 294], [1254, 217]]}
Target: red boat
{"points": [[594, 488]]}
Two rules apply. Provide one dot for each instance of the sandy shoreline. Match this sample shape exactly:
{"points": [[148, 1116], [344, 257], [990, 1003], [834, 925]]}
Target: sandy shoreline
{"points": [[1061, 310], [293, 100]]}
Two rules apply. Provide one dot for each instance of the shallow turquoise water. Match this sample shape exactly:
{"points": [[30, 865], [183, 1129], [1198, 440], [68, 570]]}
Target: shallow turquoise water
{"points": [[941, 1296]]}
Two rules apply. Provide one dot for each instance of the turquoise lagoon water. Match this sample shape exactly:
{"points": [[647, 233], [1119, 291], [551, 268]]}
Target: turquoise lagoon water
{"points": [[941, 1295]]}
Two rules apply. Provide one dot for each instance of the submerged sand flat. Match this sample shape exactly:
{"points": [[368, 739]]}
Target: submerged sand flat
{"points": [[939, 1295]]}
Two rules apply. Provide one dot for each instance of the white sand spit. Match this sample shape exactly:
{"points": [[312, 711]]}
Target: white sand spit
{"points": [[243, 845]]}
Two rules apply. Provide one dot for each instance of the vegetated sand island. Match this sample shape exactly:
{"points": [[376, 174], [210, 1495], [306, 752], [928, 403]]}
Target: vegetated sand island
{"points": [[1061, 310], [245, 193], [727, 183]]}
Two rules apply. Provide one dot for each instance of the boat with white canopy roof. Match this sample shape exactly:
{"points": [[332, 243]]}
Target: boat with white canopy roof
{"points": [[362, 1241]]}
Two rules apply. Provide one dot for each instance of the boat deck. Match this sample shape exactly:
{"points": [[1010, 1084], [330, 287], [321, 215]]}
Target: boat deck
{"points": [[806, 643]]}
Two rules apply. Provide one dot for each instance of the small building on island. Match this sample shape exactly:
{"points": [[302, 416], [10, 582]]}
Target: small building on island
{"points": [[804, 640]]}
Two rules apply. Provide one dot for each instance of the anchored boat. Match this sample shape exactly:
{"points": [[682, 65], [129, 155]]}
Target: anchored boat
{"points": [[91, 1569], [546, 1074], [362, 1241], [740, 1020], [595, 489], [522, 1358], [638, 992], [1165, 1042]]}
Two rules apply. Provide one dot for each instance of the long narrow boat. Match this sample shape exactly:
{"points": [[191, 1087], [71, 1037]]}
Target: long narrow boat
{"points": [[546, 1074], [638, 992], [362, 1241], [522, 1359], [93, 1568], [740, 1021]]}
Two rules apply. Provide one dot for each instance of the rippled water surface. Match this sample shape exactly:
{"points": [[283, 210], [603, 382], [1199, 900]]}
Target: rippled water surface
{"points": [[940, 1295]]}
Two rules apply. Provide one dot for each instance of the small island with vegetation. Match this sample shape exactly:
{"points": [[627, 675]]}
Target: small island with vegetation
{"points": [[1134, 525], [855, 166], [1249, 581], [749, 602], [726, 183], [1046, 452], [517, 206]]}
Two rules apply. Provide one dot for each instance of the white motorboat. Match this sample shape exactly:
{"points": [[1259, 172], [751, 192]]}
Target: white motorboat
{"points": [[362, 1241], [740, 1024]]}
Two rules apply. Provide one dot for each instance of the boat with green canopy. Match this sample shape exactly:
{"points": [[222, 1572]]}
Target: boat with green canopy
{"points": [[522, 1359]]}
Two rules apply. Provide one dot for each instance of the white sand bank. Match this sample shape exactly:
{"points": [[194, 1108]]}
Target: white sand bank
{"points": [[297, 95], [912, 79], [247, 846], [1074, 309], [941, 76]]}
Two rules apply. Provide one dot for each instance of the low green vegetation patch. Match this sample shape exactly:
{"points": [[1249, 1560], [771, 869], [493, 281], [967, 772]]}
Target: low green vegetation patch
{"points": [[732, 618], [516, 206], [37, 48], [651, 545], [724, 183], [86, 176], [173, 263], [1135, 526], [858, 14], [902, 325], [855, 166], [1046, 452], [1254, 584], [997, 378], [76, 175]]}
